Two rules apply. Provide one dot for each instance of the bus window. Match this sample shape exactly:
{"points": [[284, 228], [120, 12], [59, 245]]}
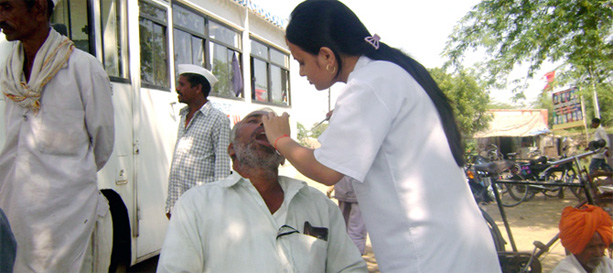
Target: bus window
{"points": [[225, 71], [114, 38], [259, 80], [269, 75], [153, 46], [74, 17]]}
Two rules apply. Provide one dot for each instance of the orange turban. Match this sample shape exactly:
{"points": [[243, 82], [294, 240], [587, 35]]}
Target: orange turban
{"points": [[577, 227]]}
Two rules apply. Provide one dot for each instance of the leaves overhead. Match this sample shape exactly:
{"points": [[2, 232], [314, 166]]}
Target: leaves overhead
{"points": [[468, 99], [578, 35]]}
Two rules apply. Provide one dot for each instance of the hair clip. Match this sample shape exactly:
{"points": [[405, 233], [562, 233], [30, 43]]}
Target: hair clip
{"points": [[373, 40]]}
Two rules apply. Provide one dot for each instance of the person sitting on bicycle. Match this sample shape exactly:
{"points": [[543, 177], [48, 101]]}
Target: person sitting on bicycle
{"points": [[586, 232]]}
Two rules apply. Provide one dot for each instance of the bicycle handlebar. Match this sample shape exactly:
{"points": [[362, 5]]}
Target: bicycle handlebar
{"points": [[579, 156]]}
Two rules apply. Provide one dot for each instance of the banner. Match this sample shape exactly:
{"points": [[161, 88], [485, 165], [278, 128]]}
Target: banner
{"points": [[567, 109]]}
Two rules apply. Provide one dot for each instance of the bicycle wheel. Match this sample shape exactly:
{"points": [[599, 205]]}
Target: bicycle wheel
{"points": [[554, 191], [514, 262], [518, 193], [499, 241], [573, 177]]}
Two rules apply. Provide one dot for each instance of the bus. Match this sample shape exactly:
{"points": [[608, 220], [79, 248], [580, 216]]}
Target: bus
{"points": [[140, 43]]}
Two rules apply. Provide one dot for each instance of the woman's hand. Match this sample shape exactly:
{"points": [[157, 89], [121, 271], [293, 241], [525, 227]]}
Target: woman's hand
{"points": [[276, 126], [302, 158]]}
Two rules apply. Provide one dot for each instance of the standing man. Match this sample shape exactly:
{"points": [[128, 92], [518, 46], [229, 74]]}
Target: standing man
{"points": [[59, 133], [599, 160], [586, 232], [200, 153]]}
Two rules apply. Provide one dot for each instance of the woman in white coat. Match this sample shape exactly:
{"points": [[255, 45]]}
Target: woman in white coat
{"points": [[393, 132]]}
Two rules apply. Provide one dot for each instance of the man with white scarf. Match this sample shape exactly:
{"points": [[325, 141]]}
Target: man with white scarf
{"points": [[59, 133]]}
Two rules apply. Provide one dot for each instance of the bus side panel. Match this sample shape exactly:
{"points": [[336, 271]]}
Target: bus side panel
{"points": [[157, 130], [118, 173]]}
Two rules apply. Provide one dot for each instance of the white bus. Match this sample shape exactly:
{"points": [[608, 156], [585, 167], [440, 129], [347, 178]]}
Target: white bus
{"points": [[140, 43]]}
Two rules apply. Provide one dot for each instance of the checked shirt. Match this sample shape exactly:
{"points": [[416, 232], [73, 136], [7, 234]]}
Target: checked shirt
{"points": [[201, 152]]}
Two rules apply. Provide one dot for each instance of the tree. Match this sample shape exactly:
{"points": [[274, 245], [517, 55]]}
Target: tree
{"points": [[318, 129], [544, 102], [577, 35], [468, 99], [303, 134], [501, 105]]}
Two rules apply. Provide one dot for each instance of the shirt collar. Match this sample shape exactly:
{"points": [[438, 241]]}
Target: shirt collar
{"points": [[362, 62], [205, 109], [290, 186]]}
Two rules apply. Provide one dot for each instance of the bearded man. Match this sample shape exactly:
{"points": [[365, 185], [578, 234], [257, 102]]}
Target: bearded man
{"points": [[586, 232], [255, 220]]}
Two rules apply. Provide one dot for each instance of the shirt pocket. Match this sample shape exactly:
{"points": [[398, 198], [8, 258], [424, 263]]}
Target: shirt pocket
{"points": [[60, 131], [308, 253]]}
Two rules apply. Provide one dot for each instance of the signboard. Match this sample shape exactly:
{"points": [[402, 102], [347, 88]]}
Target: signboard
{"points": [[567, 109]]}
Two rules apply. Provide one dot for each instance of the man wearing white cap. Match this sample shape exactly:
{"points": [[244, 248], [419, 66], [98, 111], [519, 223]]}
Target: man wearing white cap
{"points": [[59, 133], [204, 133]]}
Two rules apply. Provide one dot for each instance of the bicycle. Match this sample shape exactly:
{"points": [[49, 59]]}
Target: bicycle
{"points": [[541, 170], [485, 193], [480, 185], [515, 261], [492, 154], [538, 168]]}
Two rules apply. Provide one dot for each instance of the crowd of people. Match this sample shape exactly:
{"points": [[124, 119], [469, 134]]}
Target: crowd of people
{"points": [[392, 146]]}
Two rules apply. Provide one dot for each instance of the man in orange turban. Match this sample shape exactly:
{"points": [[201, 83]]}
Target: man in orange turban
{"points": [[586, 232]]}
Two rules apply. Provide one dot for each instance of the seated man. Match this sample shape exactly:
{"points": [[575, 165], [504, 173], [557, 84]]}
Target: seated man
{"points": [[255, 220], [586, 232]]}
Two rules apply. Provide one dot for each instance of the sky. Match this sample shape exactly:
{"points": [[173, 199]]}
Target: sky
{"points": [[419, 28]]}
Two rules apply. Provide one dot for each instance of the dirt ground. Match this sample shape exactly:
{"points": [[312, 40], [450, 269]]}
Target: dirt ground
{"points": [[535, 220]]}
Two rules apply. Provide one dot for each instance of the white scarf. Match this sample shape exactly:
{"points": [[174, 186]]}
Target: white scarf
{"points": [[50, 58]]}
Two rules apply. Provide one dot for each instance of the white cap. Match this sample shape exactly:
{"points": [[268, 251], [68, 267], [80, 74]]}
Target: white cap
{"points": [[196, 69]]}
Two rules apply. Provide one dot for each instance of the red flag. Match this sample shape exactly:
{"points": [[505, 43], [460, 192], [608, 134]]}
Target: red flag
{"points": [[550, 77]]}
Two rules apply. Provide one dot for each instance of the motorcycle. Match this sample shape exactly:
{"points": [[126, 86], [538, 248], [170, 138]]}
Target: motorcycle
{"points": [[480, 181], [540, 170], [480, 188]]}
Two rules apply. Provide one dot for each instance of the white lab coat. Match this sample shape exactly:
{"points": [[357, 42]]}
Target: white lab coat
{"points": [[387, 135]]}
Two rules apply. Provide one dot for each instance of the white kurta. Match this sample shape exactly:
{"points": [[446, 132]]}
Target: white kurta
{"points": [[385, 133], [48, 167], [225, 226], [570, 264], [599, 134]]}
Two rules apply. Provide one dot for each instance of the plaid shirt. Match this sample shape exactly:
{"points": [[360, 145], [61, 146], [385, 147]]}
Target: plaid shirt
{"points": [[201, 152]]}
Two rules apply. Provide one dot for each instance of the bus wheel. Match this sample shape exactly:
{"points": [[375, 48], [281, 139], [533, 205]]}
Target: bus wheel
{"points": [[121, 254]]}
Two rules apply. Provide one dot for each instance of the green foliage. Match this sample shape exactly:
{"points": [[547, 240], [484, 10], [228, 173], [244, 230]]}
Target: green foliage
{"points": [[544, 101], [317, 130], [500, 105], [468, 99], [577, 35], [605, 100], [223, 73], [303, 134]]}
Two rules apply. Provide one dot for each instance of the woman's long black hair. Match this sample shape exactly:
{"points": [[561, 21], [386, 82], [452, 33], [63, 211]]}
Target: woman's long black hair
{"points": [[329, 23]]}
